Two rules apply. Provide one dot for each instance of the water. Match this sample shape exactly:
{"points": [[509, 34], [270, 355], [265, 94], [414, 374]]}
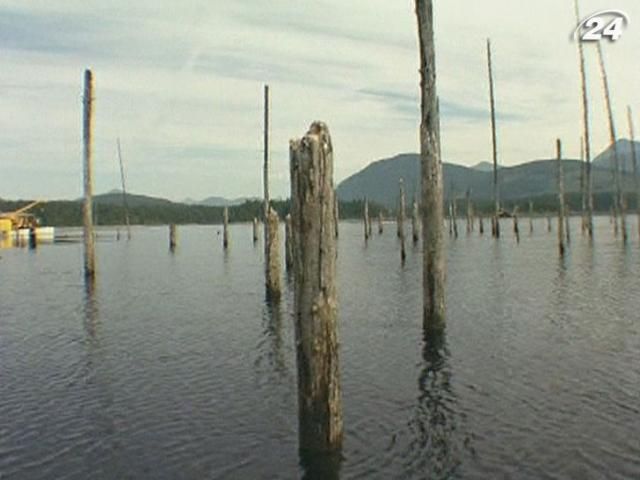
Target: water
{"points": [[174, 366]]}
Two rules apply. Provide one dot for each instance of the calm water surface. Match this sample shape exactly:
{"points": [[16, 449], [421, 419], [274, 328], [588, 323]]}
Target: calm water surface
{"points": [[174, 367]]}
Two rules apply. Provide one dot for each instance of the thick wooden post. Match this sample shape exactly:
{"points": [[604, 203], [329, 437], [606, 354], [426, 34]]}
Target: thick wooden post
{"points": [[366, 220], [273, 284], [634, 162], [431, 171], [618, 200], [380, 224], [315, 253], [402, 208], [288, 243], [173, 237], [225, 232], [561, 207], [87, 207], [494, 141], [586, 134], [255, 230]]}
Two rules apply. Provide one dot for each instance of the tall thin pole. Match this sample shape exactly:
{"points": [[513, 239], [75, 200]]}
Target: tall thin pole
{"points": [[561, 206], [265, 173], [87, 208], [124, 193], [634, 160], [434, 263], [586, 128], [618, 199], [583, 188], [494, 141]]}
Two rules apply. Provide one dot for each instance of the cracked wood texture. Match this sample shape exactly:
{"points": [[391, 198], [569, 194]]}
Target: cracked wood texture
{"points": [[315, 253], [87, 206]]}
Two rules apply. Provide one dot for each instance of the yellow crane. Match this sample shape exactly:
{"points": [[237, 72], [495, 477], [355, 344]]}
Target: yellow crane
{"points": [[18, 218]]}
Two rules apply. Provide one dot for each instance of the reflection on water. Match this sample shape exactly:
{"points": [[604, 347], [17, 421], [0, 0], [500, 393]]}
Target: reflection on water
{"points": [[320, 466]]}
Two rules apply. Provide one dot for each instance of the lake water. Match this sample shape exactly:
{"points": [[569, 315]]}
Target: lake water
{"points": [[174, 367]]}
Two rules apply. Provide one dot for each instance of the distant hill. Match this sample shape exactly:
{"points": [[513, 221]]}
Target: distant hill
{"points": [[114, 197], [484, 167], [379, 181], [623, 146]]}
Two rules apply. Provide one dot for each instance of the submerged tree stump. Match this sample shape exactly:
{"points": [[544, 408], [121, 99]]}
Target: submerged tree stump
{"points": [[173, 237], [87, 206], [255, 230], [273, 283], [561, 206], [431, 173], [225, 233], [415, 229], [314, 253], [402, 208]]}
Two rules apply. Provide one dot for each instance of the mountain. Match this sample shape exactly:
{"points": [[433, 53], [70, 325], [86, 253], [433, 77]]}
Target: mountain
{"points": [[625, 161], [378, 182], [484, 167], [114, 197], [224, 202]]}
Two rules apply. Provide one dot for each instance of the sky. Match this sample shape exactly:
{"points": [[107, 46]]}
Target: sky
{"points": [[180, 82]]}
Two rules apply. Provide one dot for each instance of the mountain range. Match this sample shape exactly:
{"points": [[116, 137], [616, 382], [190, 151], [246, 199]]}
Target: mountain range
{"points": [[378, 182]]}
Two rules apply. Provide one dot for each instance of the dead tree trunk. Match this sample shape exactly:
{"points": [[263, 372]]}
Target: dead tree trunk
{"points": [[255, 230], [366, 220], [618, 200], [469, 214], [288, 243], [225, 233], [634, 160], [494, 141], [173, 237], [431, 171], [516, 227], [415, 230], [583, 188], [273, 284], [315, 252], [380, 224], [481, 225], [125, 205], [561, 245], [402, 208], [586, 128], [87, 207], [530, 217], [265, 180], [455, 217], [549, 228]]}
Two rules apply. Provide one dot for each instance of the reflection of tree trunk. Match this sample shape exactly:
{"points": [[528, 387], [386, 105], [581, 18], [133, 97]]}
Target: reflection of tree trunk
{"points": [[434, 428], [320, 466]]}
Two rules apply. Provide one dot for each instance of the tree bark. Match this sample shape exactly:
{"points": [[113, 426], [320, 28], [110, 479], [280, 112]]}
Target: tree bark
{"points": [[431, 174], [314, 253], [273, 283], [87, 207], [494, 142]]}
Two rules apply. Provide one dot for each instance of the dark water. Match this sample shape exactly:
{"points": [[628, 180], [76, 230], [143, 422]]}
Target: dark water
{"points": [[174, 367]]}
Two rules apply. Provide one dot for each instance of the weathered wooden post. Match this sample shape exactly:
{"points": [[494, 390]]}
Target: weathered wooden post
{"points": [[366, 220], [495, 225], [380, 224], [450, 219], [516, 228], [225, 233], [273, 284], [455, 217], [414, 222], [403, 253], [288, 243], [431, 171], [315, 252], [618, 202], [530, 217], [87, 207], [255, 230], [561, 207], [481, 225], [173, 237], [469, 211], [585, 125], [634, 161]]}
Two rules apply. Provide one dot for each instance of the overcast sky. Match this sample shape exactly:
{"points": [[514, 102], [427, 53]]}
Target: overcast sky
{"points": [[180, 82]]}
